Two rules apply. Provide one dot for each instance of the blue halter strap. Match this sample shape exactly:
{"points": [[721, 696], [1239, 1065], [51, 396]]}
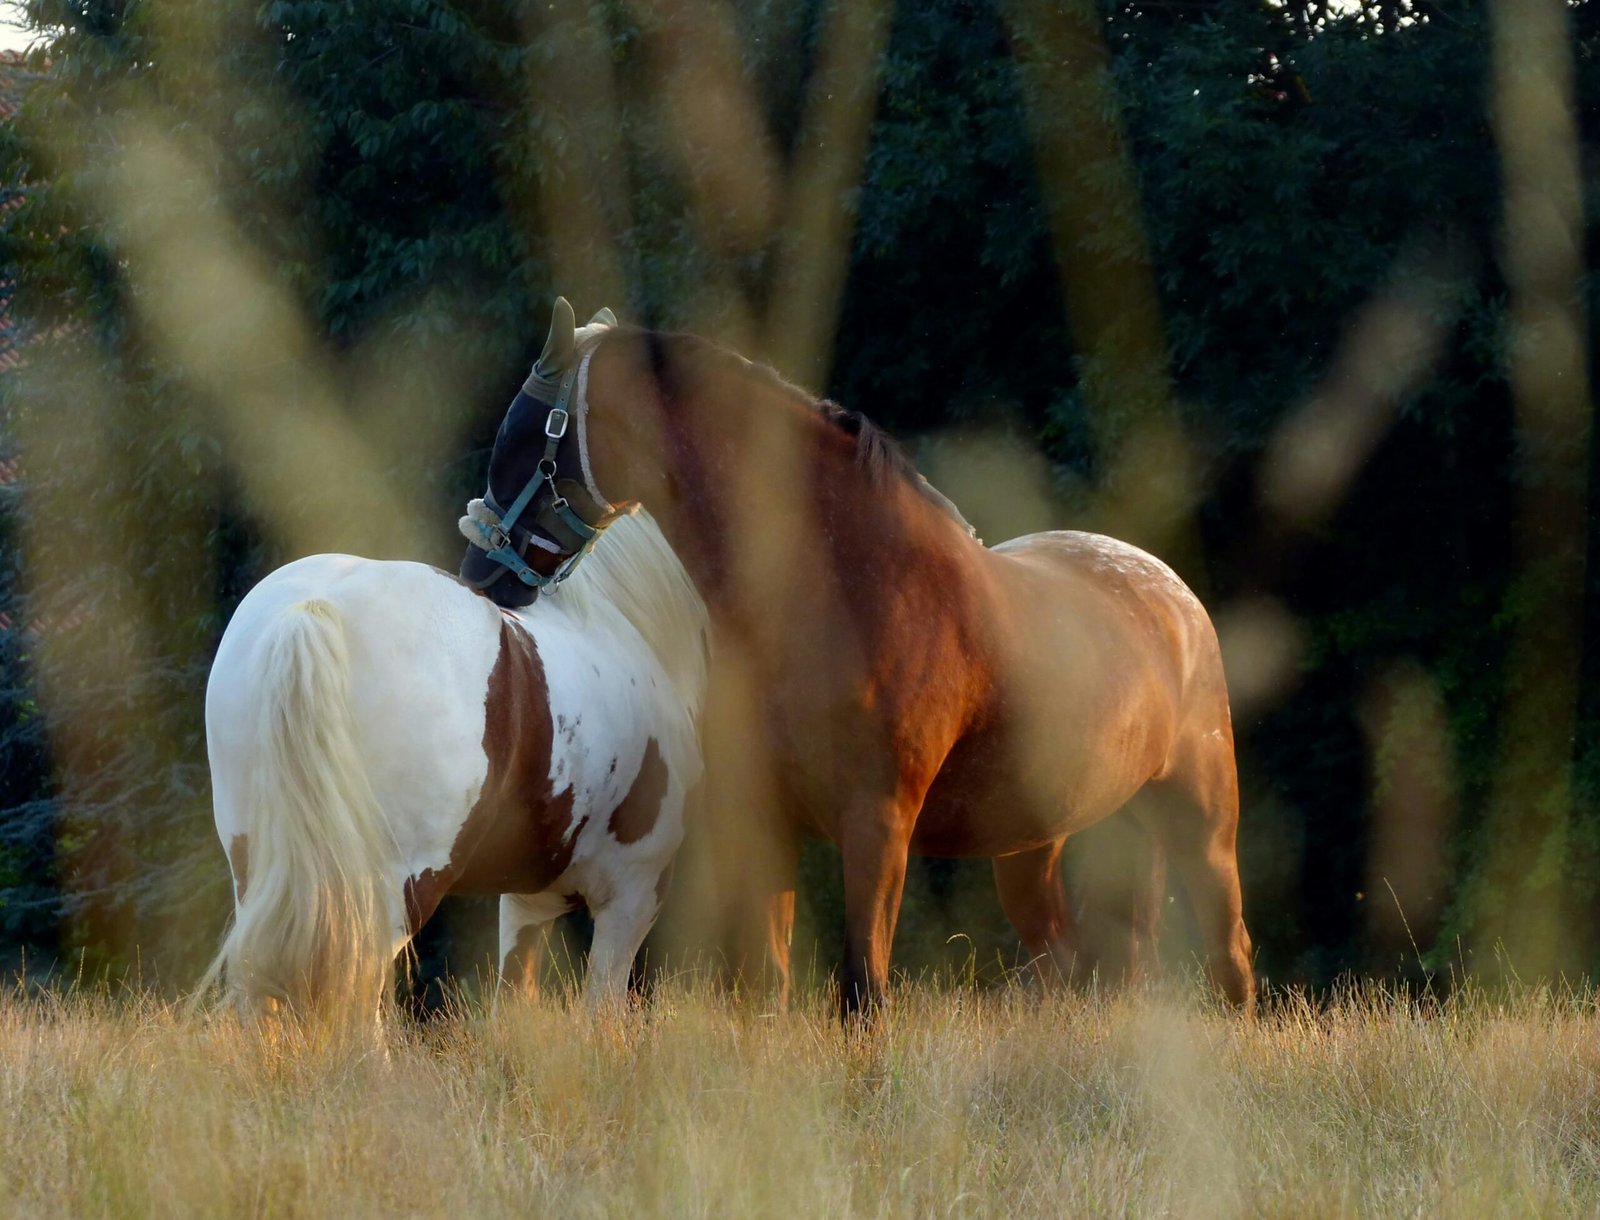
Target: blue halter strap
{"points": [[497, 540]]}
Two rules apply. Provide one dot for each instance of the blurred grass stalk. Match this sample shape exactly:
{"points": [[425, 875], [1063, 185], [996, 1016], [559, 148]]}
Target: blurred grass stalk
{"points": [[747, 204], [1521, 902], [1149, 489]]}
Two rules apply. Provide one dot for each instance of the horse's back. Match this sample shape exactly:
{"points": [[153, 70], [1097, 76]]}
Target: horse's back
{"points": [[395, 608], [1126, 605], [1107, 565], [420, 646]]}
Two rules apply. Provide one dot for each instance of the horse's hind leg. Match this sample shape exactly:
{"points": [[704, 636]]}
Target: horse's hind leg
{"points": [[525, 921], [619, 929], [1034, 900], [1117, 873], [780, 941], [1194, 813], [764, 954], [1146, 905], [757, 882]]}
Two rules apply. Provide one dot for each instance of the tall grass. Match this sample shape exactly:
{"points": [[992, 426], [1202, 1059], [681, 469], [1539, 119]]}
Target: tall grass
{"points": [[962, 1103]]}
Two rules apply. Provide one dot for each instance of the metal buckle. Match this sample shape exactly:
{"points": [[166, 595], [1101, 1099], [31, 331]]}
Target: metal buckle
{"points": [[555, 428]]}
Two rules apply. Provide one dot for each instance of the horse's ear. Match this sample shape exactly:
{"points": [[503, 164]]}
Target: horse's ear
{"points": [[559, 347], [604, 318]]}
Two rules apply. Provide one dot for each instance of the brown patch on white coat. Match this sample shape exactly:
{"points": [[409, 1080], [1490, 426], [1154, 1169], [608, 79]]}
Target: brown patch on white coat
{"points": [[519, 836], [526, 840], [636, 816]]}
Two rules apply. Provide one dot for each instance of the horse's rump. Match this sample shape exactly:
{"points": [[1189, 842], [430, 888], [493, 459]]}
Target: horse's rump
{"points": [[312, 764], [1102, 658]]}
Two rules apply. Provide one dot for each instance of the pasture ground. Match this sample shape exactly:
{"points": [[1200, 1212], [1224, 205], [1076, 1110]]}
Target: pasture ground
{"points": [[964, 1102]]}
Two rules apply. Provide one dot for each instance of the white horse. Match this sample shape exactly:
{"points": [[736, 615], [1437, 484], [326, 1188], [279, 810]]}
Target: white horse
{"points": [[380, 736]]}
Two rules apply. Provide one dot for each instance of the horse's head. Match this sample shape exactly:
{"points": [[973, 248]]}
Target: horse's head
{"points": [[541, 512]]}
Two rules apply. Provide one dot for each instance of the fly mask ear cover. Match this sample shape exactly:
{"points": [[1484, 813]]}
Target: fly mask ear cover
{"points": [[559, 509]]}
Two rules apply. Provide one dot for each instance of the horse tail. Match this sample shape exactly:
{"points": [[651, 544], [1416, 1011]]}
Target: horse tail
{"points": [[314, 927]]}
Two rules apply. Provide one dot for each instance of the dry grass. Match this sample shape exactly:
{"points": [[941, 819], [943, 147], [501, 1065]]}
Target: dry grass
{"points": [[963, 1103]]}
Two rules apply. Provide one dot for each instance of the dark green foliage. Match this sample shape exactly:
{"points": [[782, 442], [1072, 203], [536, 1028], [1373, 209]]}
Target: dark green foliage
{"points": [[950, 221], [28, 880]]}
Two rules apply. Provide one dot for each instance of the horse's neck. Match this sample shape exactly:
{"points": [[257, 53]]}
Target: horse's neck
{"points": [[769, 519]]}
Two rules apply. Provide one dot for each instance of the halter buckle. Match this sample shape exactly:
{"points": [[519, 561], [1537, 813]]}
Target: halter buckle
{"points": [[555, 424]]}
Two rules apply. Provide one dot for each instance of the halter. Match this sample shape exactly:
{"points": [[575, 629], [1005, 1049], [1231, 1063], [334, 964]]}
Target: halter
{"points": [[495, 531]]}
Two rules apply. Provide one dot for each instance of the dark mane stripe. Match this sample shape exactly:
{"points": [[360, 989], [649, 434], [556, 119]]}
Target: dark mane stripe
{"points": [[877, 453]]}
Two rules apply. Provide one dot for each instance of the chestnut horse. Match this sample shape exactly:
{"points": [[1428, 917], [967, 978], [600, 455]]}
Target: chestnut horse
{"points": [[380, 736], [884, 679]]}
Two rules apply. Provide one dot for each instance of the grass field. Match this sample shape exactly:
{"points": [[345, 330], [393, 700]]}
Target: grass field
{"points": [[963, 1103]]}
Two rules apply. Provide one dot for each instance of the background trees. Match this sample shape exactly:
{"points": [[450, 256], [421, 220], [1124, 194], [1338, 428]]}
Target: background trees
{"points": [[1236, 280]]}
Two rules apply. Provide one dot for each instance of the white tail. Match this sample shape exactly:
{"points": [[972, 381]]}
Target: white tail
{"points": [[314, 927]]}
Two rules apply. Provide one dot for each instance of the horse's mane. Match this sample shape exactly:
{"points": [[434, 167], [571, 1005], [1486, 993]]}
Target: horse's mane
{"points": [[636, 572], [877, 453]]}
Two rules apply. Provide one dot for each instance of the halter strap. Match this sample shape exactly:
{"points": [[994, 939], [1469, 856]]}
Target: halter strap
{"points": [[557, 517]]}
